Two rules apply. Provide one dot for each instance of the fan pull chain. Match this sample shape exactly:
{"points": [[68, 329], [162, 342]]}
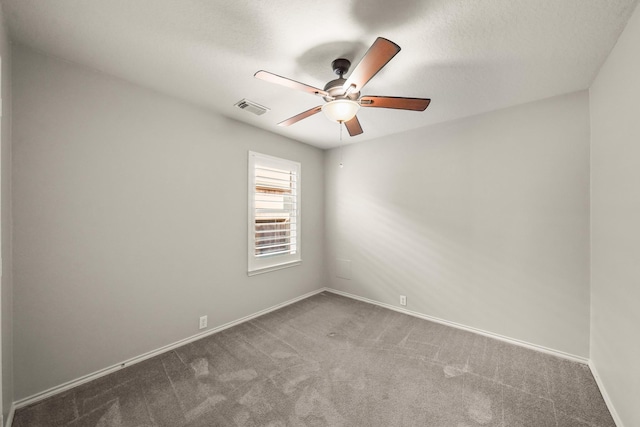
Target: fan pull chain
{"points": [[341, 165]]}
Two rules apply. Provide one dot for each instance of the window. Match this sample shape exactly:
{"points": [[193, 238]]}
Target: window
{"points": [[274, 213]]}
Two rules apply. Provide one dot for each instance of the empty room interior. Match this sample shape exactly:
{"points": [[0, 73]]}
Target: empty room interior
{"points": [[337, 213]]}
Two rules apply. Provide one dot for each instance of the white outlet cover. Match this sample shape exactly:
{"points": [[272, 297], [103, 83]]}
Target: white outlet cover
{"points": [[203, 322]]}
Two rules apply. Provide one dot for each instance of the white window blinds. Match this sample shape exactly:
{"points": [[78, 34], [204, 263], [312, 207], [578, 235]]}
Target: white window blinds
{"points": [[274, 213]]}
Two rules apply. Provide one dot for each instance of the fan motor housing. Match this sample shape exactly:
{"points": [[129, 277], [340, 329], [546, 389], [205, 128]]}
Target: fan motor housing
{"points": [[336, 91], [335, 87]]}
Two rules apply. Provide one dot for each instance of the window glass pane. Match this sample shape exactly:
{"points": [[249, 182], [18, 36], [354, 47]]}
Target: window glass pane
{"points": [[274, 211]]}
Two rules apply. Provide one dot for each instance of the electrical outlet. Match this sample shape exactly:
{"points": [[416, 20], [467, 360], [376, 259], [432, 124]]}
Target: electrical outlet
{"points": [[203, 322], [403, 300]]}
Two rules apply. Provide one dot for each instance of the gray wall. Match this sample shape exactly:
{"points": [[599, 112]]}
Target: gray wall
{"points": [[482, 221], [131, 221], [615, 224], [6, 294]]}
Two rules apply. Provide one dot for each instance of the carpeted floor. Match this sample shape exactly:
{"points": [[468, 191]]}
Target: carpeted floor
{"points": [[334, 361]]}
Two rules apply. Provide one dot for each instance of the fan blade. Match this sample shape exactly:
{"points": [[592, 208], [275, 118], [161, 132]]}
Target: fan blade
{"points": [[378, 55], [274, 78], [395, 102], [301, 116], [353, 126]]}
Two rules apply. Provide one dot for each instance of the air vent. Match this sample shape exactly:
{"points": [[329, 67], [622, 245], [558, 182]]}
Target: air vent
{"points": [[251, 107]]}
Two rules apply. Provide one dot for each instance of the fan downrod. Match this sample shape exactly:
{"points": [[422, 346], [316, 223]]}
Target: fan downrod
{"points": [[340, 66], [335, 88]]}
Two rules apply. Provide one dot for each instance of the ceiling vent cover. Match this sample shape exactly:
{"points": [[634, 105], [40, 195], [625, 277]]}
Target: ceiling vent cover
{"points": [[251, 107]]}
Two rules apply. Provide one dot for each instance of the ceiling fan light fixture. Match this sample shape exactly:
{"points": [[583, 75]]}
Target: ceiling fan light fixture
{"points": [[342, 95], [340, 110]]}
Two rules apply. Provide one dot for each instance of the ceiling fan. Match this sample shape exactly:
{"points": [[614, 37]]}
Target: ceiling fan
{"points": [[342, 96]]}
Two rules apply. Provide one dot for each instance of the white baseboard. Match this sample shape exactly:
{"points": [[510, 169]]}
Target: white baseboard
{"points": [[101, 373], [514, 341], [605, 395], [12, 410]]}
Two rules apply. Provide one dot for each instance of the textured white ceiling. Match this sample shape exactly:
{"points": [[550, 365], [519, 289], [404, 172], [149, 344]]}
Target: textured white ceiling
{"points": [[468, 56]]}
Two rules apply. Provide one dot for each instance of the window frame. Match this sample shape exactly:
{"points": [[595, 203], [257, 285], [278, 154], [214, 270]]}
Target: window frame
{"points": [[258, 265]]}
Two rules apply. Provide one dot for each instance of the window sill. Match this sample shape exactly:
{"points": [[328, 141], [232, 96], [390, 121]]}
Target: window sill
{"points": [[273, 268]]}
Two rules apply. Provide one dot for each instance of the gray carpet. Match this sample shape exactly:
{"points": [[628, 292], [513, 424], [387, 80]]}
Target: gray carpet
{"points": [[334, 361]]}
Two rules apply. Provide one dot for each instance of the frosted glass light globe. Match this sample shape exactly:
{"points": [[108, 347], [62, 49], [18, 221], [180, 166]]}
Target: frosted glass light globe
{"points": [[340, 110]]}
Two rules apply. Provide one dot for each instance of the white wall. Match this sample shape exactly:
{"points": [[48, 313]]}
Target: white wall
{"points": [[6, 291], [482, 221], [130, 216], [615, 224]]}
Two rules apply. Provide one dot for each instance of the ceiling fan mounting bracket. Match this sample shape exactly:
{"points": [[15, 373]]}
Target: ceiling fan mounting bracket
{"points": [[341, 66]]}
